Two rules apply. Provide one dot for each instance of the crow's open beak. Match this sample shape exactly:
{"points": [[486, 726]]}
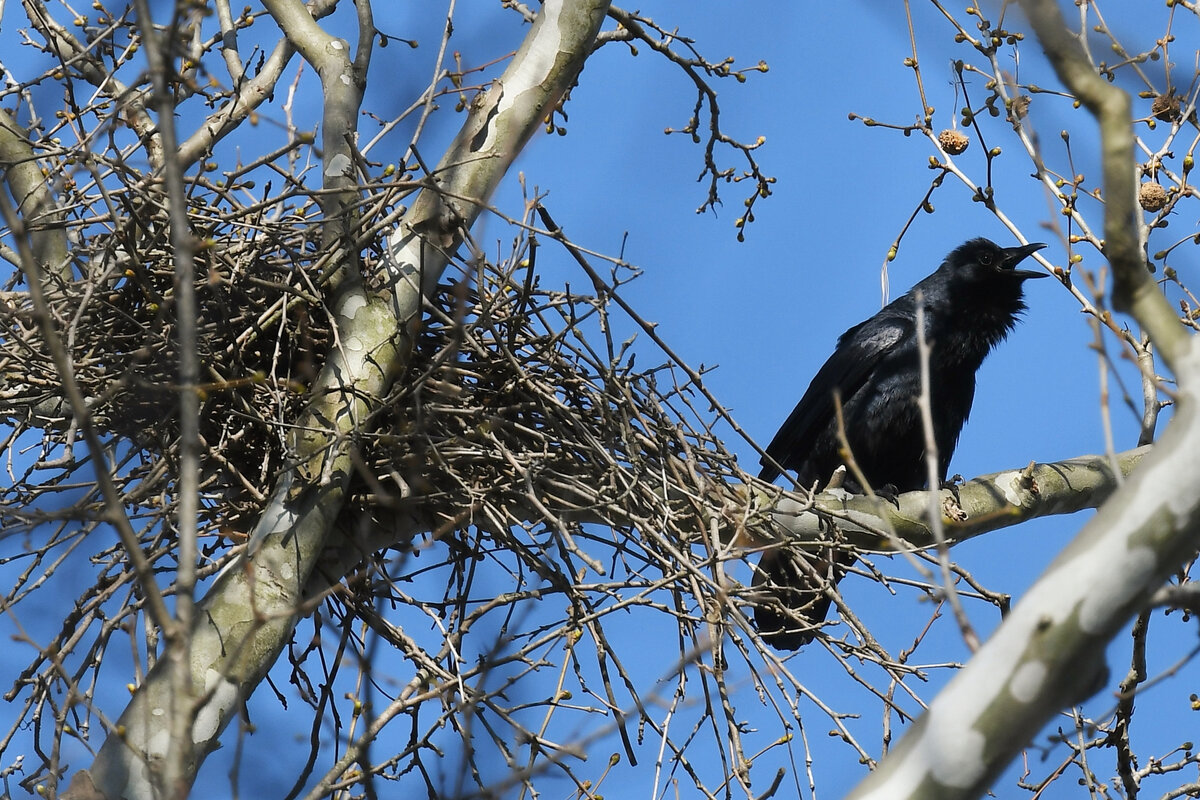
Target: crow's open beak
{"points": [[1015, 255]]}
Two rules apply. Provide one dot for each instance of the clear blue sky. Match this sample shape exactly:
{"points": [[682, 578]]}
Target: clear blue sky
{"points": [[768, 310]]}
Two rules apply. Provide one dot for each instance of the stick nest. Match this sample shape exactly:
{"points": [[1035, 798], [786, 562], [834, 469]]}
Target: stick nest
{"points": [[519, 406]]}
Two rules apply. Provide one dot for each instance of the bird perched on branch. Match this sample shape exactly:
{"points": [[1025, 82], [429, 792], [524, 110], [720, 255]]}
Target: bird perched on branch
{"points": [[970, 304]]}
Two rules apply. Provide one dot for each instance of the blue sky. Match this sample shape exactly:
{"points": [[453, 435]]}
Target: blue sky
{"points": [[768, 310]]}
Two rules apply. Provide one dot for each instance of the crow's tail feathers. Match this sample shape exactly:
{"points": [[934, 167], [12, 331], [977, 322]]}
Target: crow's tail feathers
{"points": [[768, 473], [793, 601]]}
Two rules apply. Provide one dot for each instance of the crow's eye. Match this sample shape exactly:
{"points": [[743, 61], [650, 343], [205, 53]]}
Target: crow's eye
{"points": [[986, 259]]}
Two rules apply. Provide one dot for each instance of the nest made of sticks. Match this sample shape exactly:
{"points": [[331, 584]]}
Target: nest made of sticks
{"points": [[514, 392]]}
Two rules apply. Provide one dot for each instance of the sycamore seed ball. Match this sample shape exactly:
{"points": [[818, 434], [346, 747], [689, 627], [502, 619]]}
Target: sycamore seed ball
{"points": [[1152, 197], [953, 142], [1165, 107]]}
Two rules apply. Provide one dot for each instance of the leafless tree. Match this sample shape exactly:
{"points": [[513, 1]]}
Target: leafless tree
{"points": [[325, 422]]}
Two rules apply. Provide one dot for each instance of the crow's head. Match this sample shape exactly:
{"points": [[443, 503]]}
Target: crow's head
{"points": [[984, 260]]}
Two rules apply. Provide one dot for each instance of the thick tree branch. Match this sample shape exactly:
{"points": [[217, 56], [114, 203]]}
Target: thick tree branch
{"points": [[498, 128], [250, 94], [36, 205], [982, 505]]}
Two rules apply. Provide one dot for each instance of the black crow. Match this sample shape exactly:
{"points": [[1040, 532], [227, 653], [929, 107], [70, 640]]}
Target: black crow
{"points": [[970, 304]]}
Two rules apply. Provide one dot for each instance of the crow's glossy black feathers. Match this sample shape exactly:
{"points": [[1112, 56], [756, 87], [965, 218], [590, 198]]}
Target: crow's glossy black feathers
{"points": [[970, 304]]}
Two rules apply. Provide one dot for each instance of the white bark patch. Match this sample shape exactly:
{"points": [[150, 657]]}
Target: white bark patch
{"points": [[354, 303], [338, 165], [534, 69], [277, 517], [223, 700], [1099, 606], [138, 784], [1181, 491], [404, 251], [1178, 480], [1009, 483], [1175, 478], [159, 741], [1028, 681], [948, 751], [962, 748], [355, 355], [1188, 369]]}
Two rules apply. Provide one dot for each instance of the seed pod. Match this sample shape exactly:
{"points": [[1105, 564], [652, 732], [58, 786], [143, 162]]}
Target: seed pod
{"points": [[953, 142], [1152, 196]]}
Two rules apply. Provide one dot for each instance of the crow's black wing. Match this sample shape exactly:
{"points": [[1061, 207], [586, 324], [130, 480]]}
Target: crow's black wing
{"points": [[858, 352]]}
